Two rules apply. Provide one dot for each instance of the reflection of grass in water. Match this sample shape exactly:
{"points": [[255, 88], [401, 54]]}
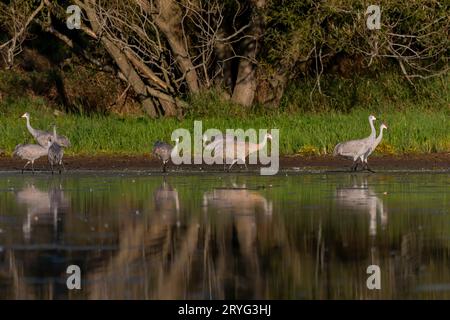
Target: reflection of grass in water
{"points": [[289, 250]]}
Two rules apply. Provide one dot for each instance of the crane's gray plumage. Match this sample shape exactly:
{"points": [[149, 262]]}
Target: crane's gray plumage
{"points": [[30, 152], [42, 136], [247, 147], [162, 151], [356, 149], [55, 152], [226, 139]]}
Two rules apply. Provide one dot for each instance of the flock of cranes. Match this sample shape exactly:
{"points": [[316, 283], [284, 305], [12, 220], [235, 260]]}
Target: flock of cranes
{"points": [[360, 149], [52, 145], [49, 144]]}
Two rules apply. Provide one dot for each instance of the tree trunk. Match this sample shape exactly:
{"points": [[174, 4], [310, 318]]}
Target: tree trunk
{"points": [[168, 21], [124, 65], [244, 90]]}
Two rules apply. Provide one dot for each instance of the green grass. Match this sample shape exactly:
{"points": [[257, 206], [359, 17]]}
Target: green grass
{"points": [[418, 120]]}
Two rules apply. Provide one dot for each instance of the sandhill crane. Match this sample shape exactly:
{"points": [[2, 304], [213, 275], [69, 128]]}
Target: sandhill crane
{"points": [[42, 136], [31, 152], [355, 149], [219, 138], [247, 147], [373, 147], [162, 151], [55, 153]]}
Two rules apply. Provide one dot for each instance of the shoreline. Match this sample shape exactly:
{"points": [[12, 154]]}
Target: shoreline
{"points": [[416, 162]]}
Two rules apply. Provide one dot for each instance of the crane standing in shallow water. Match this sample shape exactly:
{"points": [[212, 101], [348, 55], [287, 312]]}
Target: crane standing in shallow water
{"points": [[247, 147], [355, 149], [55, 152], [163, 151], [31, 152], [42, 136]]}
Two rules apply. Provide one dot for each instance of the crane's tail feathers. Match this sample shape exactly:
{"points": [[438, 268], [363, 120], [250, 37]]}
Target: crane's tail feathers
{"points": [[16, 151], [336, 150]]}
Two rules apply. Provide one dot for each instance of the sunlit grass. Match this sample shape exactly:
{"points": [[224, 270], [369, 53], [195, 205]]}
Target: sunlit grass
{"points": [[418, 122], [305, 134]]}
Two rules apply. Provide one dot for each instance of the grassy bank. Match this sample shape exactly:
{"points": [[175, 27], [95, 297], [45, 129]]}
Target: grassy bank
{"points": [[418, 121]]}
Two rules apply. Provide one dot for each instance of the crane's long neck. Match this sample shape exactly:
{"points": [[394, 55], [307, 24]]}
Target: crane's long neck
{"points": [[29, 127], [262, 144], [373, 133], [380, 136]]}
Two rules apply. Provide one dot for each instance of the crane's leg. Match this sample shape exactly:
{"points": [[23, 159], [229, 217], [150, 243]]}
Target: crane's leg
{"points": [[26, 164], [368, 169], [354, 166], [51, 166], [245, 164], [164, 166], [234, 161], [32, 166], [62, 165]]}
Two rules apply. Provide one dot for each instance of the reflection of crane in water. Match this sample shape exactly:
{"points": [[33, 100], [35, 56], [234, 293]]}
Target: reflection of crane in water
{"points": [[166, 201], [361, 198], [242, 206], [40, 205], [238, 200]]}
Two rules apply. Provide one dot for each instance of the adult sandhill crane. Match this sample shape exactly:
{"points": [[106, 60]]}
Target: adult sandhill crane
{"points": [[247, 147], [373, 147], [355, 149], [31, 152], [42, 136], [162, 151], [219, 138], [55, 153]]}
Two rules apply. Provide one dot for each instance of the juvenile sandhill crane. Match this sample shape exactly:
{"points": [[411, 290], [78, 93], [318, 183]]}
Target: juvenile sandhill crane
{"points": [[355, 149], [247, 147], [162, 151], [373, 147], [42, 136], [31, 152], [55, 152]]}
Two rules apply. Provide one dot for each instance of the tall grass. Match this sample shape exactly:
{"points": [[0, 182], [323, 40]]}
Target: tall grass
{"points": [[418, 121]]}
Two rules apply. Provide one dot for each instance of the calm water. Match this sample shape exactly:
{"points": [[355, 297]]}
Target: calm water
{"points": [[306, 236]]}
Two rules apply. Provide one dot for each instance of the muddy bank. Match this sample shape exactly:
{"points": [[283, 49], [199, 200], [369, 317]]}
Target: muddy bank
{"points": [[435, 161]]}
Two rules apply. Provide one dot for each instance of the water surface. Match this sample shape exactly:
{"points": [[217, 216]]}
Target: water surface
{"points": [[306, 236]]}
